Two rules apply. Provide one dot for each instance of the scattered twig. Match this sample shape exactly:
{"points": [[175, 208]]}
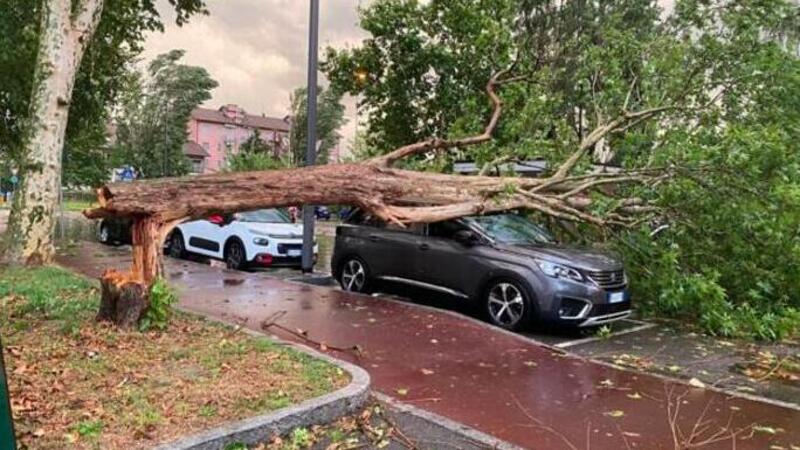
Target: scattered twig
{"points": [[538, 423], [774, 369], [271, 322]]}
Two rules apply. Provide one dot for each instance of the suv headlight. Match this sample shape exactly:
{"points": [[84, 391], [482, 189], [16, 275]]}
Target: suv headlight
{"points": [[261, 241], [554, 270]]}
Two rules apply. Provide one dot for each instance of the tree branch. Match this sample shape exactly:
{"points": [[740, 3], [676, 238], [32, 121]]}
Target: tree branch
{"points": [[441, 144]]}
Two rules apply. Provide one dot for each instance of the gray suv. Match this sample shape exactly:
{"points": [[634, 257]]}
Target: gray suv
{"points": [[511, 266]]}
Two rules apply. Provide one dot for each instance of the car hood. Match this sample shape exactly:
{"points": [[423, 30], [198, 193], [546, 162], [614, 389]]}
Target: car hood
{"points": [[292, 230], [578, 257]]}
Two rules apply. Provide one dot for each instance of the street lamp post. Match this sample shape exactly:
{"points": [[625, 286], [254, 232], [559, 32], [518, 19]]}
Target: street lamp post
{"points": [[307, 261]]}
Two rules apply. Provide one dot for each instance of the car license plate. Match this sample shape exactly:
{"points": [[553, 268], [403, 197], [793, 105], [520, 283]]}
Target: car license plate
{"points": [[616, 297], [294, 253]]}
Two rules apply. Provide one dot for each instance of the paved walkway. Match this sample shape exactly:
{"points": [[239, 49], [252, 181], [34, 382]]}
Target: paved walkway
{"points": [[499, 383]]}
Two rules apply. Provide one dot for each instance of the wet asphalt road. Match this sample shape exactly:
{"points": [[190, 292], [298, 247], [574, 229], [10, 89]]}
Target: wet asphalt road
{"points": [[503, 384]]}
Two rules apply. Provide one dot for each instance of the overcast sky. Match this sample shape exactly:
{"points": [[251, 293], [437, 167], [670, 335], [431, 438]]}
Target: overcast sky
{"points": [[257, 50]]}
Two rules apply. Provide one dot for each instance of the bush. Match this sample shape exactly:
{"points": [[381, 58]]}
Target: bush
{"points": [[246, 161], [162, 298], [670, 279]]}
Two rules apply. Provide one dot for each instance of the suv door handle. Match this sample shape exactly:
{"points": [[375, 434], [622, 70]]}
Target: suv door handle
{"points": [[424, 246], [374, 238]]}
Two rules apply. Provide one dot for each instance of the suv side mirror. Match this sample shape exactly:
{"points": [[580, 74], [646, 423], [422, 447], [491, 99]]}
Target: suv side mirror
{"points": [[466, 237]]}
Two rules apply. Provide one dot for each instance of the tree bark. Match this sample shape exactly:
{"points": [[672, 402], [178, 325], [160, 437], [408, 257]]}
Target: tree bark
{"points": [[125, 297], [63, 40], [123, 300]]}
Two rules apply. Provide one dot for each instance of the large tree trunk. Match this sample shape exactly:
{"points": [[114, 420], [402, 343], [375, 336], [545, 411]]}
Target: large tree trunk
{"points": [[63, 40], [125, 297]]}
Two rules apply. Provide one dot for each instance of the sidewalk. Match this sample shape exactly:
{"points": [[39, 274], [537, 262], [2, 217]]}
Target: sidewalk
{"points": [[496, 382]]}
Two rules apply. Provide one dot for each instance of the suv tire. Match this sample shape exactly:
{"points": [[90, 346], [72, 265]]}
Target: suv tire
{"points": [[104, 234], [507, 304], [354, 275]]}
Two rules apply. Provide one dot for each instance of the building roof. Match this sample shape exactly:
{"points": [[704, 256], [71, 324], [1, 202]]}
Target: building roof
{"points": [[192, 148], [243, 119]]}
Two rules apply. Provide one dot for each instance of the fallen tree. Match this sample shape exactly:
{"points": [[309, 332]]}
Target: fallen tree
{"points": [[394, 195]]}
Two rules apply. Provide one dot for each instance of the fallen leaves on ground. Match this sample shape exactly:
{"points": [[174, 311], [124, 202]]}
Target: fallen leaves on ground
{"points": [[765, 365], [95, 386], [633, 361], [371, 428]]}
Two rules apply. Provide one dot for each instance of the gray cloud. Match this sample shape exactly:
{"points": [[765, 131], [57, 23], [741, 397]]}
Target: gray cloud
{"points": [[257, 49]]}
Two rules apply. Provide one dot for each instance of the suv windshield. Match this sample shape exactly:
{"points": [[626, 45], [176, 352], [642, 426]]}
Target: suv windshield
{"points": [[511, 229], [264, 216]]}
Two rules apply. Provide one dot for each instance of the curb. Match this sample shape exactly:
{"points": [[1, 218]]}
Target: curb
{"points": [[319, 410], [449, 433]]}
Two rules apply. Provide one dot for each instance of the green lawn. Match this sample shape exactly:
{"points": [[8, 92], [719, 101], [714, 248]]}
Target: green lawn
{"points": [[79, 384], [78, 206]]}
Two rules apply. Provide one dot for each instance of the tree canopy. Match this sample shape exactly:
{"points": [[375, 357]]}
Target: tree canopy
{"points": [[257, 154], [151, 126], [330, 118], [706, 93], [98, 85]]}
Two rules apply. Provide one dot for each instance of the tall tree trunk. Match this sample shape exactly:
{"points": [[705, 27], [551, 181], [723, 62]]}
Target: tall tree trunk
{"points": [[65, 33]]}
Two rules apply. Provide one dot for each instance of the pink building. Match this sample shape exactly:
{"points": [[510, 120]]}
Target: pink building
{"points": [[216, 133]]}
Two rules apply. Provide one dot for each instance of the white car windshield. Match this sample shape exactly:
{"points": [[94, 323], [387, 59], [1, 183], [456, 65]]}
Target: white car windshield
{"points": [[264, 216], [511, 229]]}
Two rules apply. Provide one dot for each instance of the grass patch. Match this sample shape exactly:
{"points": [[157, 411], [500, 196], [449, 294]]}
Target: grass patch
{"points": [[78, 206], [79, 384]]}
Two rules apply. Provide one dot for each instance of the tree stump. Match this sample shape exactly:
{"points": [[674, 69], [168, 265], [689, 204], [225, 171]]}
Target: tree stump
{"points": [[125, 297], [123, 300]]}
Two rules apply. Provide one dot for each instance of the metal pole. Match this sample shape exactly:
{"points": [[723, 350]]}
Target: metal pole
{"points": [[311, 142], [6, 420], [165, 139]]}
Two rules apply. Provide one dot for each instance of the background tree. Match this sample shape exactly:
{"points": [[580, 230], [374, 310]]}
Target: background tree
{"points": [[256, 144], [58, 56], [705, 94], [330, 118], [257, 154], [151, 128]]}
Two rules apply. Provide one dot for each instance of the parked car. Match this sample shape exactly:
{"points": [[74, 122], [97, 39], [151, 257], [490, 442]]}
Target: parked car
{"points": [[114, 231], [265, 237], [511, 266], [322, 212]]}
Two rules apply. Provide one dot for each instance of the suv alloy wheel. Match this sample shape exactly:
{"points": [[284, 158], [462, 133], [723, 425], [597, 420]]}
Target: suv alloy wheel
{"points": [[354, 275], [507, 304], [104, 234]]}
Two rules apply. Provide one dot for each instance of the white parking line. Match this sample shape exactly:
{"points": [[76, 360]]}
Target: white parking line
{"points": [[641, 327]]}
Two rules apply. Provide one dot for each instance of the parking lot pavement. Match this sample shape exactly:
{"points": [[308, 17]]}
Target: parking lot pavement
{"points": [[735, 366], [500, 383]]}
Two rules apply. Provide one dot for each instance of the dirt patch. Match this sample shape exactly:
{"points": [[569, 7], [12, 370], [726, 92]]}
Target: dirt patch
{"points": [[75, 383]]}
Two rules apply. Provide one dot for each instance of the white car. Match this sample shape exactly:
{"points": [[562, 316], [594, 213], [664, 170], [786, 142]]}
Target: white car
{"points": [[265, 237]]}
